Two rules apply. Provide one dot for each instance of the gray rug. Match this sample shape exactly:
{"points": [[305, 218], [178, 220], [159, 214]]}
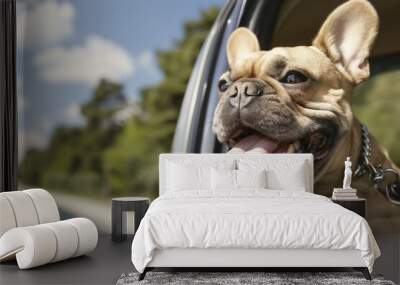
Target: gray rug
{"points": [[242, 278]]}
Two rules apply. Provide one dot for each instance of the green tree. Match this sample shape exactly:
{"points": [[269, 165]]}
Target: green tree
{"points": [[131, 164], [73, 159], [32, 166]]}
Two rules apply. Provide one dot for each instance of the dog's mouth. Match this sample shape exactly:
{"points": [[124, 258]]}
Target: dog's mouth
{"points": [[248, 140]]}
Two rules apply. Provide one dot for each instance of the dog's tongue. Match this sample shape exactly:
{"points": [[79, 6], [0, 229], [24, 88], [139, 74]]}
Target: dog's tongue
{"points": [[255, 144]]}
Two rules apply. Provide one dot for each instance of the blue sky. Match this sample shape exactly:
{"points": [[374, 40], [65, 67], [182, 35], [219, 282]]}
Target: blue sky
{"points": [[64, 46]]}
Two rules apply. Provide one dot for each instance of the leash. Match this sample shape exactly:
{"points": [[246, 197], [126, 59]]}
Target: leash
{"points": [[377, 173]]}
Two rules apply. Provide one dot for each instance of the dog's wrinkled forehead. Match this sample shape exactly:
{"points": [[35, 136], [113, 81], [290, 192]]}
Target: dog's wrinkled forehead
{"points": [[275, 62]]}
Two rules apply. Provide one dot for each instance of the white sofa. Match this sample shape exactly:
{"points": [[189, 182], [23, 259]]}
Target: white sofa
{"points": [[31, 231]]}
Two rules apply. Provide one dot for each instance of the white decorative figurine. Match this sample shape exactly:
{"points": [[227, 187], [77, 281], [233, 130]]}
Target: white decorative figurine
{"points": [[347, 174], [345, 193]]}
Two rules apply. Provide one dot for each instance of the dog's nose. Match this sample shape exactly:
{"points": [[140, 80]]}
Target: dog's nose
{"points": [[242, 93], [251, 89]]}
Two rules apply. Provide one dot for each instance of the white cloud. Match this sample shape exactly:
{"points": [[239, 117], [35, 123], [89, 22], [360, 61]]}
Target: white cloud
{"points": [[44, 23], [96, 58], [145, 59], [146, 62]]}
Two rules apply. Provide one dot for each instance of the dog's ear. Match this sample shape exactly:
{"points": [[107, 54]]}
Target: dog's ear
{"points": [[242, 43], [346, 38]]}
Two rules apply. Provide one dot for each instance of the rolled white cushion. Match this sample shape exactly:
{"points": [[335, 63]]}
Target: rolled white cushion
{"points": [[33, 246], [46, 207], [67, 240], [23, 208], [87, 234], [40, 244], [7, 218]]}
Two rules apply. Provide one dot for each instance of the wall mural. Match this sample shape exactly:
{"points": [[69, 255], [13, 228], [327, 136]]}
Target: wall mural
{"points": [[94, 130]]}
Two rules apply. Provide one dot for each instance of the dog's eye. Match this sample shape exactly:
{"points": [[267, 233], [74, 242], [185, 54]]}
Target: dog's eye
{"points": [[223, 85], [293, 77]]}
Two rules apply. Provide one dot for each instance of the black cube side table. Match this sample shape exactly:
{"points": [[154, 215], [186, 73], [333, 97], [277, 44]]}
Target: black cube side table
{"points": [[139, 205], [358, 206]]}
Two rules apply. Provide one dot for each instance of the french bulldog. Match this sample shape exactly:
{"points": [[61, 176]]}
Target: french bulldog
{"points": [[298, 99]]}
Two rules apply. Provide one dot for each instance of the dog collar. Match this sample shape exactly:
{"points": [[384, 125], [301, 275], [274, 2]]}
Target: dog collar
{"points": [[377, 173]]}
